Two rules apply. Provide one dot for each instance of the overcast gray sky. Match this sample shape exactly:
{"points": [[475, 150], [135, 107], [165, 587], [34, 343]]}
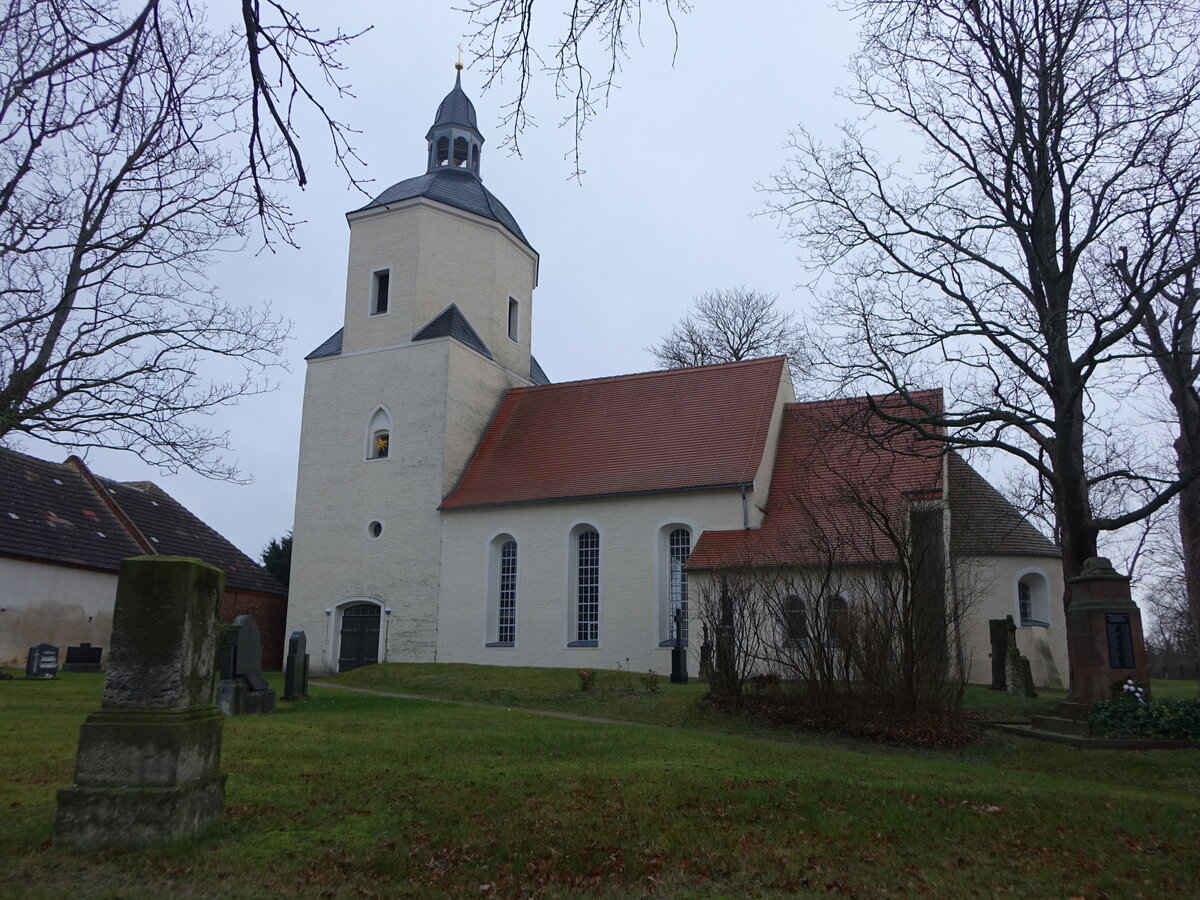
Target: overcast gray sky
{"points": [[666, 210]]}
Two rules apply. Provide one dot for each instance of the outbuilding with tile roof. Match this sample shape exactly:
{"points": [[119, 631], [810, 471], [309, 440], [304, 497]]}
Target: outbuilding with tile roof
{"points": [[63, 533]]}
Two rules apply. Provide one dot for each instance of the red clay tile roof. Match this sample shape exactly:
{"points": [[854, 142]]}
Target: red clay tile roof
{"points": [[51, 513], [840, 473], [674, 430]]}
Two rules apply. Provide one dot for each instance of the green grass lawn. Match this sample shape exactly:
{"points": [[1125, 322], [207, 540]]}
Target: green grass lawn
{"points": [[355, 795]]}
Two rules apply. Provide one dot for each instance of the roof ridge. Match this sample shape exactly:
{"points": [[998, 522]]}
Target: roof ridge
{"points": [[652, 373], [860, 398], [110, 501]]}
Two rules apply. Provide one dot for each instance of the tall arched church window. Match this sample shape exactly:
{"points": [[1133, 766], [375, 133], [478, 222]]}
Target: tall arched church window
{"points": [[794, 622], [379, 434], [502, 592], [837, 620], [584, 587], [679, 548]]}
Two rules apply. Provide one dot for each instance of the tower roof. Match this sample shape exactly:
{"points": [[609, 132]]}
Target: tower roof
{"points": [[455, 187], [452, 176], [455, 109]]}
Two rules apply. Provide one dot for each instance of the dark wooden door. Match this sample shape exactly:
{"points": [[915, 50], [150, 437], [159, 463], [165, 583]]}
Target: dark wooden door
{"points": [[360, 637]]}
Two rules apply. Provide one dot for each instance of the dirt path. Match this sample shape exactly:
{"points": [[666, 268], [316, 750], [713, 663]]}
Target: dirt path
{"points": [[575, 717]]}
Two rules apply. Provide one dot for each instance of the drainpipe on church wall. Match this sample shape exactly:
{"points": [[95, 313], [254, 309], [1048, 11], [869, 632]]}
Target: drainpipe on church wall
{"points": [[745, 508]]}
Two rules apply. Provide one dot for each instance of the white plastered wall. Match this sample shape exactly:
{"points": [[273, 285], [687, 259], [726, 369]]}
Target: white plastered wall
{"points": [[44, 603], [440, 396], [760, 493], [986, 588], [629, 578], [438, 255], [993, 589]]}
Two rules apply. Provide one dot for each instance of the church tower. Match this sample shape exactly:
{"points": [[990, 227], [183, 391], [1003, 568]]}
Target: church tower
{"points": [[439, 289]]}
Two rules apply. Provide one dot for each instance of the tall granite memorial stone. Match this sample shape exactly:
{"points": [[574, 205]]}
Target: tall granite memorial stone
{"points": [[1104, 634], [147, 771], [295, 668]]}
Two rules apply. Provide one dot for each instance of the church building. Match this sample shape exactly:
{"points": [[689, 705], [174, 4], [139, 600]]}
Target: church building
{"points": [[454, 505]]}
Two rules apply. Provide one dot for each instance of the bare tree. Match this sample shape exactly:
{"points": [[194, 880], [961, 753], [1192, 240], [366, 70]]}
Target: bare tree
{"points": [[857, 614], [1062, 146], [730, 325], [1168, 337], [584, 58], [133, 144]]}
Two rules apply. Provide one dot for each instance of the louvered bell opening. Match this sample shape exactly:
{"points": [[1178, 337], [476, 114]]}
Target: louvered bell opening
{"points": [[443, 151], [460, 151]]}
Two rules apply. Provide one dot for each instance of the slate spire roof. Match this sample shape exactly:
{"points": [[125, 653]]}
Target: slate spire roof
{"points": [[63, 513], [456, 186], [455, 109]]}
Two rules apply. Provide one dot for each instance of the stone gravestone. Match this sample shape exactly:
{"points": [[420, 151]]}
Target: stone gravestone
{"points": [[706, 658], [1018, 674], [295, 669], [242, 689], [998, 633], [42, 661], [147, 771], [1104, 635], [84, 658]]}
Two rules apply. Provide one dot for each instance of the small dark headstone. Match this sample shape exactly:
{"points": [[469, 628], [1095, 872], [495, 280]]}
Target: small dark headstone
{"points": [[242, 689], [706, 658], [679, 673], [42, 661], [998, 632], [295, 669], [84, 658]]}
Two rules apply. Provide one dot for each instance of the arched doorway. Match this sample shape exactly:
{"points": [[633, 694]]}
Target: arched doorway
{"points": [[359, 639]]}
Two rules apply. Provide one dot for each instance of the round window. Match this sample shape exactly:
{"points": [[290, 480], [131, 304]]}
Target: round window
{"points": [[374, 529]]}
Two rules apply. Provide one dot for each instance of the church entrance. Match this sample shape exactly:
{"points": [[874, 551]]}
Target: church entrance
{"points": [[359, 644]]}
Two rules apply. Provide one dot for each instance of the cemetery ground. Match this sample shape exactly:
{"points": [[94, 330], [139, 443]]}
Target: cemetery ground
{"points": [[362, 795]]}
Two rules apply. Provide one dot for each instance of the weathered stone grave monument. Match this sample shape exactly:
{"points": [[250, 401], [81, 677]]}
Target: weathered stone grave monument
{"points": [[84, 658], [147, 771], [295, 668], [42, 661], [242, 689], [1104, 634]]}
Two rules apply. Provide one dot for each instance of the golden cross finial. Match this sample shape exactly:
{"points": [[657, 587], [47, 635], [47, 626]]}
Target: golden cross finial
{"points": [[458, 65]]}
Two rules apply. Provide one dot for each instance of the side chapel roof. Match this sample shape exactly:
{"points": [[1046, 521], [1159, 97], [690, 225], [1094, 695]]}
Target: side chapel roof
{"points": [[842, 472], [674, 430], [63, 513]]}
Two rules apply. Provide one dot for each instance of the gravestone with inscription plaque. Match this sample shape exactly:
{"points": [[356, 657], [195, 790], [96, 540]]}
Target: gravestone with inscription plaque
{"points": [[42, 661], [1104, 635]]}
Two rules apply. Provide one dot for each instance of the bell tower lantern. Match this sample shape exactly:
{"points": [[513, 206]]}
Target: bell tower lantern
{"points": [[454, 138]]}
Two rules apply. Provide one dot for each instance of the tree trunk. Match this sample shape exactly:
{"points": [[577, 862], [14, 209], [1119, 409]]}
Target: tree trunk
{"points": [[1189, 536]]}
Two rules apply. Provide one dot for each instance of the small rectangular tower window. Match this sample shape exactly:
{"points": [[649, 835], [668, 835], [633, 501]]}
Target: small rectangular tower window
{"points": [[513, 319], [380, 284]]}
